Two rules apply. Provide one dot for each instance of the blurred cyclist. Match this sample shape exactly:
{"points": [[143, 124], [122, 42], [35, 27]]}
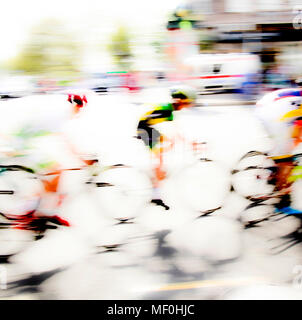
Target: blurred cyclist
{"points": [[280, 112], [182, 96], [41, 145], [77, 101]]}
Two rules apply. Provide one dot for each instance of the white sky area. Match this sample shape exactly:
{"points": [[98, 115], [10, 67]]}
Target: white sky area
{"points": [[88, 18]]}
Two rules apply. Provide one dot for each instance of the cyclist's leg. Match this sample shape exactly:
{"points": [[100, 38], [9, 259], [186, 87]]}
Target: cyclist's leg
{"points": [[284, 184], [52, 154], [154, 141], [158, 152], [159, 174], [285, 163], [51, 184], [52, 199], [292, 174], [50, 173], [285, 166], [282, 156]]}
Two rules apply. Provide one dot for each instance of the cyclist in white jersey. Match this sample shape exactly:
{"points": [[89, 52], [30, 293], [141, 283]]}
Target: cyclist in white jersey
{"points": [[37, 139], [278, 112]]}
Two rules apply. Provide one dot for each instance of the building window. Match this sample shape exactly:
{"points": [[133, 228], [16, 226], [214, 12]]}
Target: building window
{"points": [[270, 5], [239, 6], [202, 6]]}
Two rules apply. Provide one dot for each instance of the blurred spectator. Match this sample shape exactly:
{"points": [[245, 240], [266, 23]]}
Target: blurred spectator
{"points": [[251, 86], [274, 79]]}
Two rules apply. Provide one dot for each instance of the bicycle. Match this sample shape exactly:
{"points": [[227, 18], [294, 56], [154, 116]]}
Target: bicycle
{"points": [[255, 179], [203, 184], [21, 194]]}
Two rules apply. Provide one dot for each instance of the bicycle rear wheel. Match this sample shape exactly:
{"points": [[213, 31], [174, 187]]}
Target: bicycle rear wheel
{"points": [[202, 186], [20, 190], [122, 191]]}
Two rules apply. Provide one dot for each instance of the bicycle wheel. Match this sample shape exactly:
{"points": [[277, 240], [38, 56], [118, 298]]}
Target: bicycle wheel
{"points": [[202, 186], [252, 176], [20, 190], [122, 191]]}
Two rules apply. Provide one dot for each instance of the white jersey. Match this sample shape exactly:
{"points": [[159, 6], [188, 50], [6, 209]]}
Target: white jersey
{"points": [[33, 125], [40, 112], [270, 109]]}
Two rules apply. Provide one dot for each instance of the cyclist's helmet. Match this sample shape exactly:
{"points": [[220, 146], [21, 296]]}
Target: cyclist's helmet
{"points": [[186, 93], [78, 100]]}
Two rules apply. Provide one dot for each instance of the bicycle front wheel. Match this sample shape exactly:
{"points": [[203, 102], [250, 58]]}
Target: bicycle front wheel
{"points": [[20, 190], [252, 176]]}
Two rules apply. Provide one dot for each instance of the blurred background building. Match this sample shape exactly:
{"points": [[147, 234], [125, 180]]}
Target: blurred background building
{"points": [[269, 29], [132, 46]]}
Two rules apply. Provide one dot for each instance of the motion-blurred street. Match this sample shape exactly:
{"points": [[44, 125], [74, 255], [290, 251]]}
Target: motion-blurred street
{"points": [[160, 254]]}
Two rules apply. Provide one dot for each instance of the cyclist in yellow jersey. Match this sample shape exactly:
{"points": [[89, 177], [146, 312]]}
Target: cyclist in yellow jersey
{"points": [[181, 97]]}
